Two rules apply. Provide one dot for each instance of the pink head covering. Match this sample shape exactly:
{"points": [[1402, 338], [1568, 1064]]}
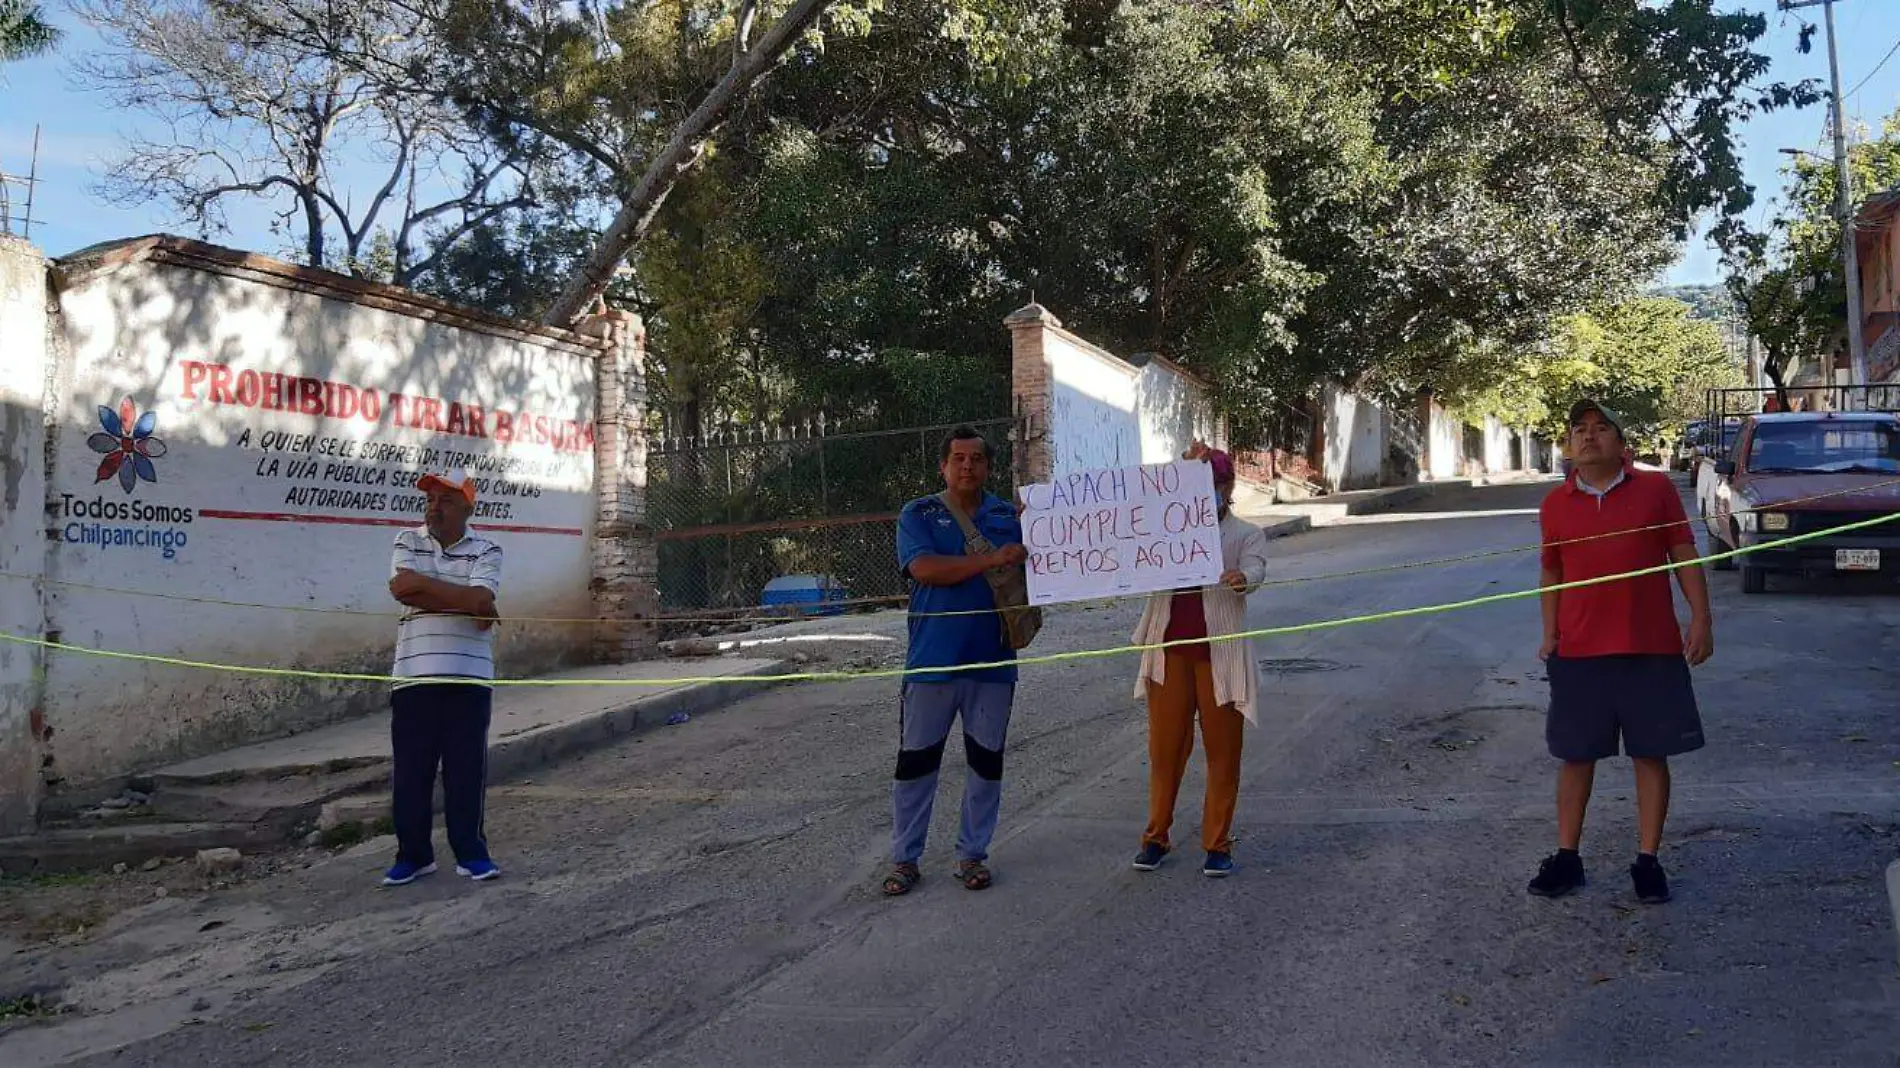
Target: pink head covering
{"points": [[1222, 463]]}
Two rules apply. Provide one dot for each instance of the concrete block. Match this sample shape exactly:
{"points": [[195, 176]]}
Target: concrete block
{"points": [[350, 810], [219, 861]]}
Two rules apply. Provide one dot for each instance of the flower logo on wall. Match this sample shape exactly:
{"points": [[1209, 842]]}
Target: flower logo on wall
{"points": [[127, 444]]}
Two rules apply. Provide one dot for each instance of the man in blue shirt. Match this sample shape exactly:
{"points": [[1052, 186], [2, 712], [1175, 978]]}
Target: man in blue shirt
{"points": [[946, 577]]}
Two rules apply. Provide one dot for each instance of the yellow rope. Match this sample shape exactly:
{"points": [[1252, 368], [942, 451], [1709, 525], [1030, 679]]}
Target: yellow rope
{"points": [[893, 673], [812, 611]]}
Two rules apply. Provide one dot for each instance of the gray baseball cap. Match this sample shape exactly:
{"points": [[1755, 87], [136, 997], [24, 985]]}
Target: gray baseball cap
{"points": [[1586, 406]]}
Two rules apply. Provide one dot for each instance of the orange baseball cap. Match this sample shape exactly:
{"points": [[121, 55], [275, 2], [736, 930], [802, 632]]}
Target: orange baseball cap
{"points": [[456, 481]]}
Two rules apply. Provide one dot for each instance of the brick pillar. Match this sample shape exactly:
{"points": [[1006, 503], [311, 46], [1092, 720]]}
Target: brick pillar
{"points": [[626, 561], [1032, 392]]}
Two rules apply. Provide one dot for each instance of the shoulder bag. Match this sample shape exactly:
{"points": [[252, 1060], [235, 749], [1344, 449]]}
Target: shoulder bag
{"points": [[1010, 585]]}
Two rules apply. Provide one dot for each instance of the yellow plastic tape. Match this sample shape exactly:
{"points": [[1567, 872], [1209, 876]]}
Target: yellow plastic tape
{"points": [[894, 673], [866, 602]]}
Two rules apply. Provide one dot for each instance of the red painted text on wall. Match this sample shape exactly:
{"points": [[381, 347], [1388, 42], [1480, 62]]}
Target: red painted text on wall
{"points": [[219, 383]]}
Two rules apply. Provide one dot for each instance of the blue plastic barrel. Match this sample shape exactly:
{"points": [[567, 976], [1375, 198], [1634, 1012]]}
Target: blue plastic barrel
{"points": [[805, 594]]}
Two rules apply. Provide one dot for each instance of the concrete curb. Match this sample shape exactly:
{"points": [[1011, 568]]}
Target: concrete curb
{"points": [[507, 756], [511, 756], [1294, 517], [1322, 511], [1274, 526], [271, 807], [82, 848]]}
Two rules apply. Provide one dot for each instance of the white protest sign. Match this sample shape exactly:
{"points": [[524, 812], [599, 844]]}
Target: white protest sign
{"points": [[1121, 530]]}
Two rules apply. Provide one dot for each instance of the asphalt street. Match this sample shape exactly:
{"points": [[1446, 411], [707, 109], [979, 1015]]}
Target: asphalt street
{"points": [[706, 894]]}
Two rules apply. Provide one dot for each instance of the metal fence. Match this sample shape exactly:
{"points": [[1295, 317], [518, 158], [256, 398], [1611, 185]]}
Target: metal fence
{"points": [[1284, 436], [732, 512], [1405, 441], [1724, 409]]}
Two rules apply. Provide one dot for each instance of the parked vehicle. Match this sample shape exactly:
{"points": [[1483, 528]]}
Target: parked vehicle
{"points": [[1701, 442], [1796, 472], [1685, 451]]}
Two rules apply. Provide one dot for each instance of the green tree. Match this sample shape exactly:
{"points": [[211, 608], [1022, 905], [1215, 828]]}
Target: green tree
{"points": [[1270, 194], [1711, 302], [1648, 358], [1789, 282], [702, 283], [635, 91], [1391, 192], [24, 31]]}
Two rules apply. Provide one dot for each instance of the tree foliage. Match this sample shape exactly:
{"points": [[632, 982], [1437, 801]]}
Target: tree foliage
{"points": [[1789, 282], [24, 31], [1711, 302], [1273, 193], [1649, 358]]}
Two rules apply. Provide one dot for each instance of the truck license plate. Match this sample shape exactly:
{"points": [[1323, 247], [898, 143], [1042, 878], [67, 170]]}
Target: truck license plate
{"points": [[1857, 559]]}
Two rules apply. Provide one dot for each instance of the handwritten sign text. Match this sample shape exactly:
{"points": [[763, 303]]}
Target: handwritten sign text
{"points": [[1121, 530]]}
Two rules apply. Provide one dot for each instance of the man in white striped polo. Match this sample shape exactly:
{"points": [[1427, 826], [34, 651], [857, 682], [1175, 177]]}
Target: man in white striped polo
{"points": [[447, 577]]}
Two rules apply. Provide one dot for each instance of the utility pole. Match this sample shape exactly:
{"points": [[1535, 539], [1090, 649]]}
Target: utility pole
{"points": [[1850, 254]]}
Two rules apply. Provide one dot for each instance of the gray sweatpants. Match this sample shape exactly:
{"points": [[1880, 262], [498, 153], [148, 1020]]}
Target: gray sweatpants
{"points": [[929, 711]]}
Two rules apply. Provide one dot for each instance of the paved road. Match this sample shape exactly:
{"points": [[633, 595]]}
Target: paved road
{"points": [[704, 895]]}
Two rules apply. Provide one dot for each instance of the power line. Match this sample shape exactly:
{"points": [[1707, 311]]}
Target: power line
{"points": [[1870, 74]]}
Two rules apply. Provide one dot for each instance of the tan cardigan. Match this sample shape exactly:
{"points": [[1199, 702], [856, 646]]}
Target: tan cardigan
{"points": [[1236, 674]]}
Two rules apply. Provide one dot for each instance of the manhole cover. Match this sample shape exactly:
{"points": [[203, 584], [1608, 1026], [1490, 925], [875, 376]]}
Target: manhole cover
{"points": [[1299, 665]]}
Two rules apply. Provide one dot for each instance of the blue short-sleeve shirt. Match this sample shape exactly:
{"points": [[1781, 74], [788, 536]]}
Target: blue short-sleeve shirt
{"points": [[927, 528]]}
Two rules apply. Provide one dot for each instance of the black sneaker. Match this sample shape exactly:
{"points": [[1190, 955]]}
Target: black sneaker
{"points": [[1559, 874], [1150, 856], [1652, 883]]}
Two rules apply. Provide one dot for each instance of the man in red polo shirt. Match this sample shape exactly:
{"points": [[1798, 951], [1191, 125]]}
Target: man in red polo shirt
{"points": [[1617, 657]]}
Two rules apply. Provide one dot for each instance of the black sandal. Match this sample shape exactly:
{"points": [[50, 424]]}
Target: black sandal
{"points": [[901, 879], [974, 875]]}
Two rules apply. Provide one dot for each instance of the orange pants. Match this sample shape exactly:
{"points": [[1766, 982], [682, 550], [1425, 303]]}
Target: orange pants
{"points": [[1171, 708]]}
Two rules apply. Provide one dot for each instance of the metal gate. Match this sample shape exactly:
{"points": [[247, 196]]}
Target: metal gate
{"points": [[1405, 435], [733, 511]]}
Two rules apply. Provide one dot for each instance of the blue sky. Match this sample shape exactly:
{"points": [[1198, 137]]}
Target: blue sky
{"points": [[1867, 33], [80, 133]]}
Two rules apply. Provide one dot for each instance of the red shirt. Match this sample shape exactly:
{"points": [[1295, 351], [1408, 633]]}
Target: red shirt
{"points": [[1630, 616], [1187, 618]]}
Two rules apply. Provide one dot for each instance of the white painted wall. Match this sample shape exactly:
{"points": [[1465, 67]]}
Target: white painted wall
{"points": [[23, 368], [1103, 411], [1354, 440], [1497, 445], [1174, 411], [244, 504], [1543, 456], [1447, 439], [1093, 414]]}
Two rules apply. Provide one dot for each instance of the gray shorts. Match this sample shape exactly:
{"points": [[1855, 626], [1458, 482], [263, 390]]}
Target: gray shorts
{"points": [[1646, 703]]}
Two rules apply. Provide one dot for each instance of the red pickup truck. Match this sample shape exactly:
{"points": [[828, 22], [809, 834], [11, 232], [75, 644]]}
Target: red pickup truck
{"points": [[1796, 472]]}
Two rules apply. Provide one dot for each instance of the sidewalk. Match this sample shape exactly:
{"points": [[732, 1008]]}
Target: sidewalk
{"points": [[267, 793], [1291, 517], [1294, 516]]}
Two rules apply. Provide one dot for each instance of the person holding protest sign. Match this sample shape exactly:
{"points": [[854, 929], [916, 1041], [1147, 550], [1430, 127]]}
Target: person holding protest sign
{"points": [[1218, 680], [958, 548]]}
